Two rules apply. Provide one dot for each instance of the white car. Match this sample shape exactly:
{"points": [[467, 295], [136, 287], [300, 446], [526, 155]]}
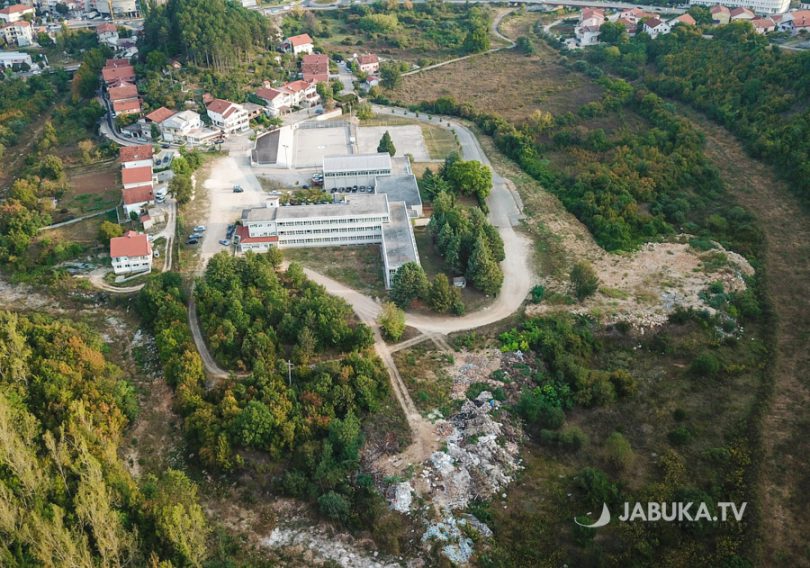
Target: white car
{"points": [[199, 229]]}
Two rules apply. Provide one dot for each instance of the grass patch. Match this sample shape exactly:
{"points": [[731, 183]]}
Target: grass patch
{"points": [[422, 369], [359, 267], [440, 142]]}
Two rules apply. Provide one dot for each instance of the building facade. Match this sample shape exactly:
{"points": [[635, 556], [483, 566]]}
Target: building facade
{"points": [[359, 169], [757, 6], [20, 34], [131, 253], [227, 116]]}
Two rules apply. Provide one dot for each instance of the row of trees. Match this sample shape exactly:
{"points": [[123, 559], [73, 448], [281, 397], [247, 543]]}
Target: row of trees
{"points": [[67, 498], [410, 283]]}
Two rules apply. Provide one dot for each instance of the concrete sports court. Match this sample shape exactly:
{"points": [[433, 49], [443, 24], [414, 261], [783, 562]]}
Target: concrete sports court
{"points": [[310, 145], [408, 139]]}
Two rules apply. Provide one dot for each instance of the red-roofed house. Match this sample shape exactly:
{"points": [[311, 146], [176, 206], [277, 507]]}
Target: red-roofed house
{"points": [[315, 67], [720, 14], [634, 15], [136, 198], [135, 156], [228, 116], [19, 33], [256, 244], [136, 177], [298, 44], [763, 25], [131, 253], [294, 94], [655, 27], [129, 106], [368, 63], [16, 13], [796, 21], [159, 115], [741, 13], [684, 19], [107, 33], [113, 74], [122, 91]]}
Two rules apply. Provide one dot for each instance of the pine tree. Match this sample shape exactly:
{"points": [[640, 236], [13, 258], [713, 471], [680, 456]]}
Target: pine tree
{"points": [[409, 283], [386, 144], [482, 271], [441, 294]]}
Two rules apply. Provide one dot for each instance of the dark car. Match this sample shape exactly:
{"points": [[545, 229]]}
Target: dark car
{"points": [[238, 189], [231, 230], [305, 186], [192, 241]]}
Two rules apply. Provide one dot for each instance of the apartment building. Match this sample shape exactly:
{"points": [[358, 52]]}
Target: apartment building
{"points": [[358, 169], [19, 33], [16, 13], [757, 6], [295, 94], [131, 253]]}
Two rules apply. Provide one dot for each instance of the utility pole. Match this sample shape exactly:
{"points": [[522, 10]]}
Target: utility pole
{"points": [[289, 372]]}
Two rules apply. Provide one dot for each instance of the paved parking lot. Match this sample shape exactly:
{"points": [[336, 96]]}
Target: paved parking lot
{"points": [[407, 140], [312, 144]]}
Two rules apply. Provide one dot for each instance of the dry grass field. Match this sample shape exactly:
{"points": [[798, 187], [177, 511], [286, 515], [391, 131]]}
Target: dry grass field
{"points": [[506, 82]]}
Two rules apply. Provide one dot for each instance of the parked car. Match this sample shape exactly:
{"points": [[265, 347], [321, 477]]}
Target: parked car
{"points": [[230, 231], [192, 241], [156, 254], [225, 242], [238, 189], [165, 146], [199, 229]]}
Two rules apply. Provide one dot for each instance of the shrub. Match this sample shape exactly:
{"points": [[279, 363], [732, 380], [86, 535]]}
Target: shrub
{"points": [[706, 365], [619, 452], [584, 280], [680, 436]]}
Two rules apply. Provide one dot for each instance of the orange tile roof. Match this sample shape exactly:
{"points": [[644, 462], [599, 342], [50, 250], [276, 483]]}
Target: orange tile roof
{"points": [[219, 105], [127, 105], [123, 91], [121, 72], [301, 39], [131, 244], [159, 115], [135, 153], [142, 174]]}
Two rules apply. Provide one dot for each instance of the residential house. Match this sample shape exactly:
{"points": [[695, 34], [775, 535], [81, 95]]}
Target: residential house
{"points": [[107, 34], [136, 156], [276, 100], [16, 13], [12, 59], [19, 33], [634, 15], [298, 44], [136, 198], [684, 19], [720, 14], [227, 116], [131, 253], [315, 67], [368, 63], [124, 98], [303, 93], [123, 108], [741, 13], [587, 30], [137, 176], [159, 115], [118, 70], [763, 25], [186, 127], [655, 27], [294, 94], [796, 21], [629, 25]]}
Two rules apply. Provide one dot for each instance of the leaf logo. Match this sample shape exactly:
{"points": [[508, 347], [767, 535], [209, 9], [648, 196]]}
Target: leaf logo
{"points": [[603, 519]]}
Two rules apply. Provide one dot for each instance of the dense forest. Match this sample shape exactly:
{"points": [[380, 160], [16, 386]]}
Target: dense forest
{"points": [[755, 90], [65, 497], [213, 33], [305, 416]]}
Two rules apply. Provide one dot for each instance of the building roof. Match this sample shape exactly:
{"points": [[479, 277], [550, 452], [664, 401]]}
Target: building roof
{"points": [[315, 59], [399, 188], [763, 23], [686, 19], [180, 119], [141, 174], [740, 11], [121, 72], [398, 244], [800, 18], [117, 62], [140, 194], [221, 106], [106, 28], [268, 94], [17, 24], [123, 91], [159, 115], [354, 205], [296, 86], [630, 25], [127, 105], [16, 9], [718, 8], [266, 147], [315, 67], [244, 236], [592, 12], [301, 39], [131, 244], [367, 59], [135, 153], [357, 162], [653, 23]]}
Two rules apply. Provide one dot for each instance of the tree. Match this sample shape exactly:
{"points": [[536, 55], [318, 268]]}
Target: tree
{"points": [[584, 280], [392, 321], [108, 230], [179, 520], [619, 452], [483, 271], [181, 188], [613, 33], [390, 76], [525, 45], [364, 111], [443, 297], [386, 144], [477, 39], [408, 284], [470, 178]]}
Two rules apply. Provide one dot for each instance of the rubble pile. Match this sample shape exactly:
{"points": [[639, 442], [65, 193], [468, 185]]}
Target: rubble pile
{"points": [[480, 458], [455, 531]]}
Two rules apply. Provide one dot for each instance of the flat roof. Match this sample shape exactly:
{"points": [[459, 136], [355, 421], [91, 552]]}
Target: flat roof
{"points": [[399, 246], [266, 149], [357, 162], [354, 205], [399, 188]]}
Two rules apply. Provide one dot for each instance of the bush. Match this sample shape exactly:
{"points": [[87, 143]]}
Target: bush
{"points": [[705, 365], [392, 321], [537, 294], [584, 280], [619, 452], [680, 436], [334, 505]]}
